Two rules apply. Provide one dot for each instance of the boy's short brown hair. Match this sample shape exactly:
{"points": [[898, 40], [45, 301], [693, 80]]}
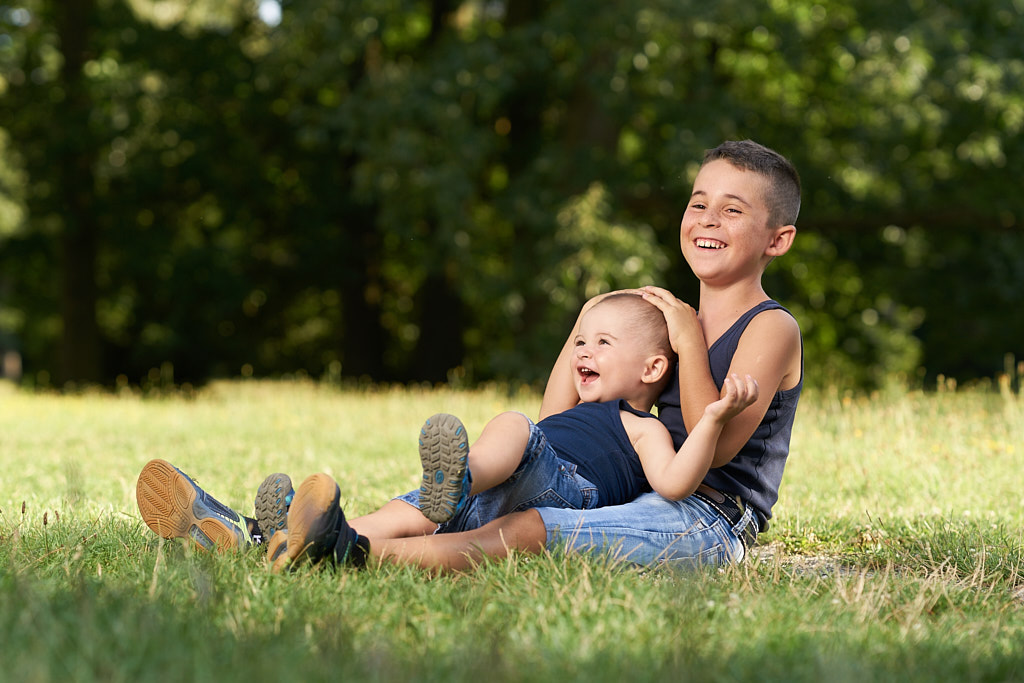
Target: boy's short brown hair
{"points": [[783, 195]]}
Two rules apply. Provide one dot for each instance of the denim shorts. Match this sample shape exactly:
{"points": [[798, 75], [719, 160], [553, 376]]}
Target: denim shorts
{"points": [[541, 480], [651, 530]]}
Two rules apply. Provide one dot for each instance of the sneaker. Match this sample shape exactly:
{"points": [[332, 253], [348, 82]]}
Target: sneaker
{"points": [[173, 506], [277, 545], [317, 530], [444, 453], [272, 500]]}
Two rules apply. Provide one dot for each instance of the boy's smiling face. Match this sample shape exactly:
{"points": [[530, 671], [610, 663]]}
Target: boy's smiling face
{"points": [[724, 233]]}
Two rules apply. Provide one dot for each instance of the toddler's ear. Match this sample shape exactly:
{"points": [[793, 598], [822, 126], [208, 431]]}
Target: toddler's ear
{"points": [[655, 369]]}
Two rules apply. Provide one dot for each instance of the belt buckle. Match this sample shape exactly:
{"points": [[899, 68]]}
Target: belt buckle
{"points": [[750, 531], [720, 502]]}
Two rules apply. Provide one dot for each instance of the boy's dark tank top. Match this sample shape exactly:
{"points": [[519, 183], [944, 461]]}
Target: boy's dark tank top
{"points": [[592, 436], [756, 471]]}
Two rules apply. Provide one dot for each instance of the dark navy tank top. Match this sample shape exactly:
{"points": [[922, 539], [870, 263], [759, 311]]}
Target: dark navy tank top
{"points": [[592, 437], [756, 472]]}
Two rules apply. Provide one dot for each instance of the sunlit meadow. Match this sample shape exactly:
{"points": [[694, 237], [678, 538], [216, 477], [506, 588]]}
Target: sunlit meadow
{"points": [[894, 554]]}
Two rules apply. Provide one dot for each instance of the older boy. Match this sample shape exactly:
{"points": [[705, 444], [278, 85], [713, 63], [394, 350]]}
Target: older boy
{"points": [[741, 215]]}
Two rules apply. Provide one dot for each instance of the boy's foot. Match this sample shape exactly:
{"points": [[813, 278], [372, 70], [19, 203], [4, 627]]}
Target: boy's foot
{"points": [[173, 506], [278, 544], [317, 529], [444, 452], [272, 500]]}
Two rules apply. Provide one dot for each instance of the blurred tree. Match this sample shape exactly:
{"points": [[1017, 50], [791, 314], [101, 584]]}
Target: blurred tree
{"points": [[428, 190], [139, 173]]}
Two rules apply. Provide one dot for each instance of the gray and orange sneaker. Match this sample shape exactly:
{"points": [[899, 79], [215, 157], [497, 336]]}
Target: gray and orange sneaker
{"points": [[273, 498], [173, 506], [444, 454], [277, 545], [317, 530]]}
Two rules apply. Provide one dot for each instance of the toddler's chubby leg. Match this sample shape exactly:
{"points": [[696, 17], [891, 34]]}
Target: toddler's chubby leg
{"points": [[498, 452], [452, 471]]}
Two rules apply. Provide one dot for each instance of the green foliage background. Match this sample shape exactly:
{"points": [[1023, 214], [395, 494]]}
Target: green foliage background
{"points": [[415, 190]]}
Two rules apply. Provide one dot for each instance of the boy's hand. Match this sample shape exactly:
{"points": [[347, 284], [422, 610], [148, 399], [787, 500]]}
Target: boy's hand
{"points": [[684, 329], [737, 394]]}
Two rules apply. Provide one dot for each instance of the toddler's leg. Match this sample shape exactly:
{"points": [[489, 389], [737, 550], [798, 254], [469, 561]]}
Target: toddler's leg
{"points": [[452, 471], [498, 452]]}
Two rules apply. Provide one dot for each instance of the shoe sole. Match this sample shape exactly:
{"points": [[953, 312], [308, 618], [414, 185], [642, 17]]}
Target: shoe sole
{"points": [[312, 517], [171, 506], [273, 497], [444, 454], [277, 545]]}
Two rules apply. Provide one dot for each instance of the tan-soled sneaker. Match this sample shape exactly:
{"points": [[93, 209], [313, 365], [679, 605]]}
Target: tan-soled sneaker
{"points": [[173, 506], [278, 544], [317, 530]]}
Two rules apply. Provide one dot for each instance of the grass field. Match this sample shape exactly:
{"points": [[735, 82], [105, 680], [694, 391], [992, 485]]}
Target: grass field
{"points": [[895, 553]]}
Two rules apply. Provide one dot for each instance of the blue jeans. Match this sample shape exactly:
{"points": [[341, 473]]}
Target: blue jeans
{"points": [[651, 530], [542, 479]]}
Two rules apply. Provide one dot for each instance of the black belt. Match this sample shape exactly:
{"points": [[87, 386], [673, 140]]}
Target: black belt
{"points": [[732, 509]]}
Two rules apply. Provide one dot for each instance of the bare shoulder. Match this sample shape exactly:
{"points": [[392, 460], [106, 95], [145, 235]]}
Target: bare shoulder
{"points": [[772, 324], [773, 336], [642, 427]]}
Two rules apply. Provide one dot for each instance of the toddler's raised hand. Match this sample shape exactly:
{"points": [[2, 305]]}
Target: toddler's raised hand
{"points": [[737, 394]]}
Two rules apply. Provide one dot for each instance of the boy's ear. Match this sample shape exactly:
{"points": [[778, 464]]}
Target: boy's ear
{"points": [[655, 369], [782, 240]]}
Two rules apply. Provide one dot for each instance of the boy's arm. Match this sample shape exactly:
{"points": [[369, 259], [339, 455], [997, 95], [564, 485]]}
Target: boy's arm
{"points": [[560, 391], [768, 351], [676, 474]]}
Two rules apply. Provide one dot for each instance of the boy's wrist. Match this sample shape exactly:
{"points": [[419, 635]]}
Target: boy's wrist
{"points": [[687, 347]]}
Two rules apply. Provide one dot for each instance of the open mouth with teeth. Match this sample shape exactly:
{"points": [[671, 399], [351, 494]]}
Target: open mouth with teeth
{"points": [[705, 243], [587, 376]]}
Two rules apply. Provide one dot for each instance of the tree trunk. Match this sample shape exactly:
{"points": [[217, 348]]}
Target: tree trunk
{"points": [[76, 156], [363, 339], [439, 347]]}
